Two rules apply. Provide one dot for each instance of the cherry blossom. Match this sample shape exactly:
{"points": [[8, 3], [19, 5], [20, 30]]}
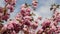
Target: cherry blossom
{"points": [[25, 20], [35, 3]]}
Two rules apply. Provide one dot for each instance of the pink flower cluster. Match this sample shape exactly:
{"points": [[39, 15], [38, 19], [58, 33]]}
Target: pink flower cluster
{"points": [[4, 13], [10, 4], [56, 16], [50, 26], [25, 22], [11, 28]]}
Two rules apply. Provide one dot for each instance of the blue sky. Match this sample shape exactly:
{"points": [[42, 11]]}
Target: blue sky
{"points": [[43, 6], [42, 9]]}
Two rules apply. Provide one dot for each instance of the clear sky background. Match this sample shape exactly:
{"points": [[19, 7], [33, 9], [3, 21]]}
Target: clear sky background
{"points": [[42, 10], [43, 7]]}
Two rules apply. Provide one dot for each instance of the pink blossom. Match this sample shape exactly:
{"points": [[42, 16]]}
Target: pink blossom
{"points": [[22, 11], [6, 16], [10, 7], [19, 17], [9, 26], [1, 14], [34, 3], [13, 32], [1, 10], [27, 17], [39, 17], [46, 22], [53, 28], [58, 27], [58, 17], [27, 14], [34, 25], [12, 2], [28, 10]]}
